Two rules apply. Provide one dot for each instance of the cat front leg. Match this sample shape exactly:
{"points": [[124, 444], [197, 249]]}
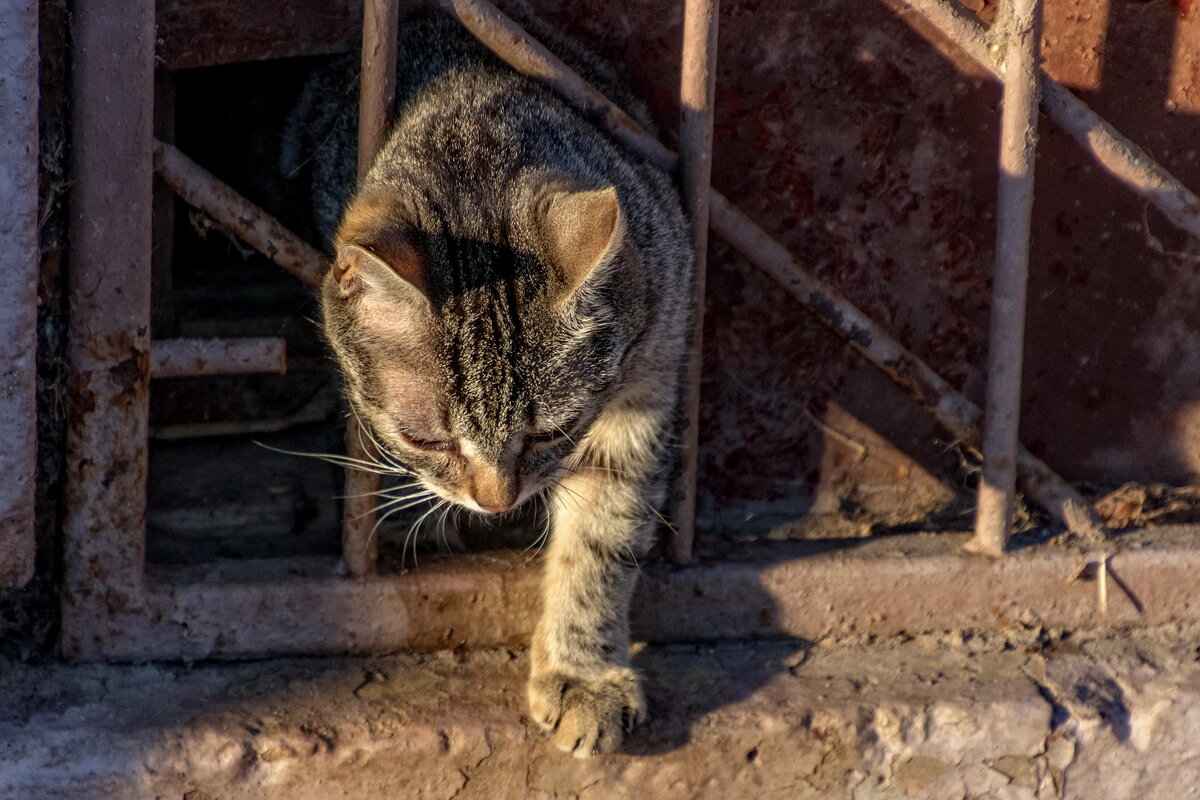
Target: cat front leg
{"points": [[582, 688]]}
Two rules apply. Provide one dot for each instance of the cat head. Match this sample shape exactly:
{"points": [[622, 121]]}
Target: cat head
{"points": [[478, 347]]}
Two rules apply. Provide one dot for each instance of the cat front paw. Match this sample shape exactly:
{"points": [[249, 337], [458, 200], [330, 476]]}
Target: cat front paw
{"points": [[587, 714]]}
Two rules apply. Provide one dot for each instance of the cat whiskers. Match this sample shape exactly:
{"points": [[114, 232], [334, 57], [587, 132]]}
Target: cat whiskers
{"points": [[408, 500], [382, 492], [379, 450], [441, 528], [566, 435], [538, 544], [413, 532], [346, 462]]}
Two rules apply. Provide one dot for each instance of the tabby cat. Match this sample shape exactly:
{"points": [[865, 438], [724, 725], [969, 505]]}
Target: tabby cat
{"points": [[508, 304]]}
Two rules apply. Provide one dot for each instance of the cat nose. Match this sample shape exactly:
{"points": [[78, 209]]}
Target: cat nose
{"points": [[496, 509]]}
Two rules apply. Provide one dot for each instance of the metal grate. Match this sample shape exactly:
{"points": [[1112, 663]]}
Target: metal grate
{"points": [[114, 609]]}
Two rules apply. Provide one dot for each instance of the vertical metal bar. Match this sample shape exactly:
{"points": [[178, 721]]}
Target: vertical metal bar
{"points": [[108, 289], [162, 296], [377, 83], [696, 89], [377, 91], [19, 262], [1014, 206]]}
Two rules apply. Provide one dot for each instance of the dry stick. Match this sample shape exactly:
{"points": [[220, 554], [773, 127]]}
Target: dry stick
{"points": [[175, 358], [201, 189], [1123, 159], [696, 90], [376, 94], [1014, 209], [954, 411]]}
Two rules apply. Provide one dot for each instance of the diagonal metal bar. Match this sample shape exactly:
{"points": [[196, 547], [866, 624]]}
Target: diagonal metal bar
{"points": [[1120, 157], [203, 190], [697, 85], [929, 390], [932, 392], [1021, 23], [522, 52]]}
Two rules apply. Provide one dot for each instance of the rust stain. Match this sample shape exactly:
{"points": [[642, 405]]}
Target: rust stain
{"points": [[131, 373]]}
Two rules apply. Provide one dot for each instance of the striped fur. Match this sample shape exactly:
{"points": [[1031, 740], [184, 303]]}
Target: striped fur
{"points": [[514, 283]]}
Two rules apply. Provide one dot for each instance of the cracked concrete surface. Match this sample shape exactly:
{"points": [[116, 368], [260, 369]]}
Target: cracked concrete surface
{"points": [[1029, 715]]}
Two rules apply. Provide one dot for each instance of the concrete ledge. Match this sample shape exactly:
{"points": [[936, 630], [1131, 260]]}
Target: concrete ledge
{"points": [[1023, 716], [913, 584]]}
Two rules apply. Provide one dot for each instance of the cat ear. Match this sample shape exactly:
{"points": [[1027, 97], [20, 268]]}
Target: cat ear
{"points": [[583, 231], [395, 266]]}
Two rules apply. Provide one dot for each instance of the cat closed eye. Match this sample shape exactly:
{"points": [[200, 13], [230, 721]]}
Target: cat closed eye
{"points": [[435, 445]]}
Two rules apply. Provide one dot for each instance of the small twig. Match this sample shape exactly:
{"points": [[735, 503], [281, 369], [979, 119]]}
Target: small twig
{"points": [[859, 447], [1155, 244]]}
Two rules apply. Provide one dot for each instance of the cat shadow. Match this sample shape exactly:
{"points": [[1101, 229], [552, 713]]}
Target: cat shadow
{"points": [[686, 683]]}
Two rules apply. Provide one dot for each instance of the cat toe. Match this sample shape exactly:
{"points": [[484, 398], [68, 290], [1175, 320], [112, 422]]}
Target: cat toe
{"points": [[588, 717]]}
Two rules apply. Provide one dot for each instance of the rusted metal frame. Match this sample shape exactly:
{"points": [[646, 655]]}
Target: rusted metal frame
{"points": [[1119, 156], [698, 74], [201, 189], [108, 291], [376, 96], [1021, 24], [20, 257], [177, 358], [933, 393], [773, 590]]}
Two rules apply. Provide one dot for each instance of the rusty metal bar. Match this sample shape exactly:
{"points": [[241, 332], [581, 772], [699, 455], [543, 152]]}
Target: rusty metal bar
{"points": [[108, 289], [933, 393], [200, 188], [20, 258], [1120, 157], [377, 81], [698, 75], [178, 358], [1021, 24], [163, 318], [525, 54], [376, 95]]}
